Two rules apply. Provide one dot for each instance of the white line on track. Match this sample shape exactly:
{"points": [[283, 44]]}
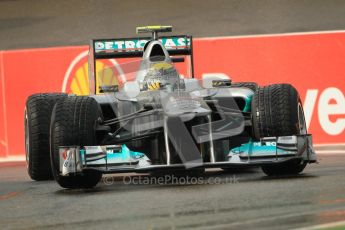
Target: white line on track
{"points": [[12, 159], [324, 226], [273, 35], [330, 152]]}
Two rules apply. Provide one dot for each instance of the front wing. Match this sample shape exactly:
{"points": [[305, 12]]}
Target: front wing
{"points": [[118, 158]]}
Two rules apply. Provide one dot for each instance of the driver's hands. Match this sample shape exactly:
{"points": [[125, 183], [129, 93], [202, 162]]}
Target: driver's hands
{"points": [[154, 84]]}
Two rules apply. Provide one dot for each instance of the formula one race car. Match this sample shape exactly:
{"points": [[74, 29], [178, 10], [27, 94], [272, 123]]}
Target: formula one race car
{"points": [[149, 117]]}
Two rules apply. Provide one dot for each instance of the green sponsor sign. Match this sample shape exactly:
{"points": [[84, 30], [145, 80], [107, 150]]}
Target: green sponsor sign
{"points": [[138, 44]]}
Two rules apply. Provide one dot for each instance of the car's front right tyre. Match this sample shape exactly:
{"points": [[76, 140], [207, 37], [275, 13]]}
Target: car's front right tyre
{"points": [[38, 111], [73, 124]]}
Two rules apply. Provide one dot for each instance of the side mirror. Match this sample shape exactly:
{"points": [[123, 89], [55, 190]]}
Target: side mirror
{"points": [[108, 88], [207, 79]]}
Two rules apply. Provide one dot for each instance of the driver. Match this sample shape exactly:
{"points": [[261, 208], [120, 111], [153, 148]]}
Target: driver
{"points": [[161, 75]]}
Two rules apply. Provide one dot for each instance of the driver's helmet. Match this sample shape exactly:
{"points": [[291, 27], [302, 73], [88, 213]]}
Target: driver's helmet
{"points": [[161, 75]]}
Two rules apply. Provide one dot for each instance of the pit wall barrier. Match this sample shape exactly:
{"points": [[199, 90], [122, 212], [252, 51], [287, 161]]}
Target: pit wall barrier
{"points": [[313, 62]]}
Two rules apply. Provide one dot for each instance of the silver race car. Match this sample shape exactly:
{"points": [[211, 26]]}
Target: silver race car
{"points": [[150, 118]]}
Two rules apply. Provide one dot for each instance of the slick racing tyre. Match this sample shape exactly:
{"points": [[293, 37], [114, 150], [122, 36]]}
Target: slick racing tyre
{"points": [[37, 125], [251, 85], [277, 111], [73, 123]]}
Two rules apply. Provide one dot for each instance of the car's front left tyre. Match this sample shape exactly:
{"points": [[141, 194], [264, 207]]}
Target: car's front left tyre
{"points": [[73, 123], [277, 111]]}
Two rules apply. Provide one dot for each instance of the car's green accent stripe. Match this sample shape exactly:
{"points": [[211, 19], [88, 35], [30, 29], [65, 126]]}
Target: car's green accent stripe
{"points": [[248, 107]]}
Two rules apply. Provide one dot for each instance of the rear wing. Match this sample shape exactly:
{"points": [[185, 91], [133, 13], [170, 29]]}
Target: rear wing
{"points": [[134, 47]]}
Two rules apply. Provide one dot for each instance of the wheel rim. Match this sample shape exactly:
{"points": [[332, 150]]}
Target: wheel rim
{"points": [[27, 139], [301, 120]]}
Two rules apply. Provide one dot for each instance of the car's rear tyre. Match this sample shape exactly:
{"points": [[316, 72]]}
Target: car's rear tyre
{"points": [[73, 123], [37, 125], [277, 111], [250, 85]]}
